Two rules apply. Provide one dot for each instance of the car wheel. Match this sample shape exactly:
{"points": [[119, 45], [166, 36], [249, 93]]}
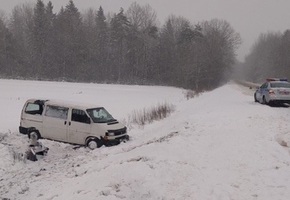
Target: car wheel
{"points": [[255, 98], [94, 143], [34, 133], [271, 103], [264, 100]]}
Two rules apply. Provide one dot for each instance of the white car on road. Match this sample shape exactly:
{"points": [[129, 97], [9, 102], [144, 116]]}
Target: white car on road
{"points": [[275, 91]]}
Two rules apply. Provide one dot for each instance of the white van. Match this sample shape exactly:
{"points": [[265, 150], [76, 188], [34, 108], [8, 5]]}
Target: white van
{"points": [[83, 124]]}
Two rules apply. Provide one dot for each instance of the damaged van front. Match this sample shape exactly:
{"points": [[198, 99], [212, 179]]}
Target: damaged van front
{"points": [[115, 132]]}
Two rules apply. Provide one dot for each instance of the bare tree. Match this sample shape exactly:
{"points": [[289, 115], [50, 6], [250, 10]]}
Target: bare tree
{"points": [[221, 43], [142, 18], [266, 57], [143, 40]]}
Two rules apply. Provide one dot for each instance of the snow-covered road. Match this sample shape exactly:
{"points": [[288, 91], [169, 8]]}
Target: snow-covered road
{"points": [[220, 145]]}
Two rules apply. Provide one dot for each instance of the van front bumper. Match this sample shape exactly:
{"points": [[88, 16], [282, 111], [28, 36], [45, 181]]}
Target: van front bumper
{"points": [[115, 141]]}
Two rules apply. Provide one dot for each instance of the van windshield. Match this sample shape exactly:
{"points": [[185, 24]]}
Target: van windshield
{"points": [[100, 115]]}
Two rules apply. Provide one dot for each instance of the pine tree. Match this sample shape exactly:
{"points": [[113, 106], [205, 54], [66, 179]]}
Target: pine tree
{"points": [[51, 71], [119, 32], [8, 61], [102, 45], [74, 41], [90, 66], [39, 38], [70, 45], [21, 24]]}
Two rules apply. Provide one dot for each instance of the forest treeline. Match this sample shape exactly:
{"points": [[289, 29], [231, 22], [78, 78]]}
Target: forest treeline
{"points": [[269, 57], [128, 47]]}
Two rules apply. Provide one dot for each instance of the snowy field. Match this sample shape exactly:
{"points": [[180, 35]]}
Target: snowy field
{"points": [[217, 146]]}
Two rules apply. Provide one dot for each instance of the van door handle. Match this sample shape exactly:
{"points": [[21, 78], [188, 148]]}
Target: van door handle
{"points": [[69, 123], [64, 122]]}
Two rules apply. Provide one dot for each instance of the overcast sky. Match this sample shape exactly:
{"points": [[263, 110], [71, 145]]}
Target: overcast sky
{"points": [[247, 17]]}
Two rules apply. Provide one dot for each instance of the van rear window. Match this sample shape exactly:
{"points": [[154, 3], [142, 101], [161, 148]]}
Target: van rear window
{"points": [[33, 109]]}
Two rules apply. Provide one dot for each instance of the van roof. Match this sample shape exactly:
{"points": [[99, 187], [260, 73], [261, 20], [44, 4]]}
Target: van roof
{"points": [[65, 103]]}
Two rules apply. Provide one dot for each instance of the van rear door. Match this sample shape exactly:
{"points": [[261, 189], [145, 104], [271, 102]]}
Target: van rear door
{"points": [[55, 123]]}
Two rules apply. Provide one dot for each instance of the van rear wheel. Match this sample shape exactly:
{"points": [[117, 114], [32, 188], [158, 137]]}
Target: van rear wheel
{"points": [[94, 143], [34, 134]]}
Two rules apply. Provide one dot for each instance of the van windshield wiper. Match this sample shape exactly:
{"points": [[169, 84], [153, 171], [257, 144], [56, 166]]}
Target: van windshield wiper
{"points": [[111, 120]]}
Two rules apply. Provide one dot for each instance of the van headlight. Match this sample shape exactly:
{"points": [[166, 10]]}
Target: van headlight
{"points": [[110, 134]]}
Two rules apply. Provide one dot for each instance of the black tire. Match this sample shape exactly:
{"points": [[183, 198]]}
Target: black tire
{"points": [[94, 143], [255, 98], [271, 103], [36, 132], [264, 100]]}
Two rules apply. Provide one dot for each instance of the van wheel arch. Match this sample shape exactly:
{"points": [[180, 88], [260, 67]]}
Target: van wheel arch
{"points": [[93, 143]]}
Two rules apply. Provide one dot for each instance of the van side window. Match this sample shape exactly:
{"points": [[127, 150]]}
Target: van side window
{"points": [[33, 109], [56, 112], [79, 116]]}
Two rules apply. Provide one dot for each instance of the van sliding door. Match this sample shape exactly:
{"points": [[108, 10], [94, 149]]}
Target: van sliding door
{"points": [[55, 123]]}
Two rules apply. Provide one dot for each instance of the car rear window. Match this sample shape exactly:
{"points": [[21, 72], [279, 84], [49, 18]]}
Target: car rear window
{"points": [[280, 85]]}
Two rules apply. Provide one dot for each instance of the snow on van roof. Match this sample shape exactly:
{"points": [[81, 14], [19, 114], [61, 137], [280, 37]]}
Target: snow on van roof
{"points": [[68, 103]]}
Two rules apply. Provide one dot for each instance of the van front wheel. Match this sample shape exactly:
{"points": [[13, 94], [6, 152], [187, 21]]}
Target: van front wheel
{"points": [[94, 143]]}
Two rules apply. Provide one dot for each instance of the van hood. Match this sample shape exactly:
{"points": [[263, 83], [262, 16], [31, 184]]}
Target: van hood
{"points": [[109, 126]]}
